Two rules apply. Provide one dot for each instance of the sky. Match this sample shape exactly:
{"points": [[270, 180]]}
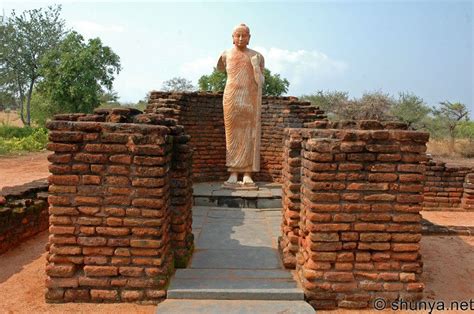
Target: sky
{"points": [[423, 47]]}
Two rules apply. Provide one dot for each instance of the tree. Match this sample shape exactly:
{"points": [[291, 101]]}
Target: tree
{"points": [[76, 74], [178, 84], [338, 106], [24, 41], [329, 101], [274, 85], [214, 82], [451, 115], [411, 110], [374, 106]]}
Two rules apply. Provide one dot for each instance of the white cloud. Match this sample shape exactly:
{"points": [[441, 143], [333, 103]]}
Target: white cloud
{"points": [[195, 69], [91, 29], [306, 70]]}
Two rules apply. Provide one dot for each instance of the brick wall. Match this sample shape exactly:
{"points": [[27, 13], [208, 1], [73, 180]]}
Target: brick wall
{"points": [[445, 185], [360, 194], [201, 114], [23, 213], [120, 200]]}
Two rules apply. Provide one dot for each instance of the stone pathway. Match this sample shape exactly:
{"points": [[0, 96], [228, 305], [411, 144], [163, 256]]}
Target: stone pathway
{"points": [[235, 258]]}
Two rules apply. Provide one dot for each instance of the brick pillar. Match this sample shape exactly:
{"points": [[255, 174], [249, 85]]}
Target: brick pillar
{"points": [[288, 242], [182, 238], [361, 193], [468, 194], [110, 207]]}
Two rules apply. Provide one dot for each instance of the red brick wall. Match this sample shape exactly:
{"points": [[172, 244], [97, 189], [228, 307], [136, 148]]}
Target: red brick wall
{"points": [[444, 187], [119, 206], [23, 213], [201, 115], [361, 190]]}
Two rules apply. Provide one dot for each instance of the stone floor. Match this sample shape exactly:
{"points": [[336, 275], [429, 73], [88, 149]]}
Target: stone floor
{"points": [[235, 258]]}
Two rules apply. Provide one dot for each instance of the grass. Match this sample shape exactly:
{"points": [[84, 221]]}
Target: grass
{"points": [[463, 148]]}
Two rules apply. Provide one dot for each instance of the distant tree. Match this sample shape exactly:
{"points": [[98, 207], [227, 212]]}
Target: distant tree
{"points": [[214, 82], [77, 74], [329, 101], [465, 130], [109, 97], [411, 110], [274, 85], [338, 106], [178, 84], [451, 115], [374, 106], [24, 41]]}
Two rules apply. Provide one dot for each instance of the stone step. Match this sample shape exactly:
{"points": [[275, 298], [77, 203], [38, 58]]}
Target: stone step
{"points": [[234, 284], [213, 194], [171, 306]]}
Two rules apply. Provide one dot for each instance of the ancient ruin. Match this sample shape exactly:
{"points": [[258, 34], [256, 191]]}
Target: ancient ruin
{"points": [[121, 198]]}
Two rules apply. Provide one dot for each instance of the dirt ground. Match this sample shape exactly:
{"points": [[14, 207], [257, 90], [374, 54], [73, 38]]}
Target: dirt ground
{"points": [[16, 170], [22, 285]]}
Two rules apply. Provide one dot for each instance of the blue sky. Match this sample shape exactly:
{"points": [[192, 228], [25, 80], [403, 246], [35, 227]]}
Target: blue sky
{"points": [[391, 46]]}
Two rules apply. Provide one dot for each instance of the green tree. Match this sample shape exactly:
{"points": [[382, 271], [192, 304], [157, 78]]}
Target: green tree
{"points": [[274, 85], [178, 84], [451, 115], [76, 74], [24, 40], [214, 82], [411, 110]]}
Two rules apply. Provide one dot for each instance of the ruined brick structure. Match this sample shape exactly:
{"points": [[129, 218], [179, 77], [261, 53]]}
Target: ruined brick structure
{"points": [[202, 116], [351, 222], [120, 206], [121, 197], [23, 213], [448, 187]]}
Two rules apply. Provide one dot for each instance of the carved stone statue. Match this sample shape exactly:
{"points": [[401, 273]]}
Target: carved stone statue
{"points": [[242, 107]]}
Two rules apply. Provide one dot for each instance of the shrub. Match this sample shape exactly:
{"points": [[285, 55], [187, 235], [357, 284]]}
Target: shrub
{"points": [[14, 140]]}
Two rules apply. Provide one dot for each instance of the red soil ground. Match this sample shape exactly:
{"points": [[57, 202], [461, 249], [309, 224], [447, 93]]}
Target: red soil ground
{"points": [[16, 170]]}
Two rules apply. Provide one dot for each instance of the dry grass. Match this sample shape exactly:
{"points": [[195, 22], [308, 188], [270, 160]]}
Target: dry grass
{"points": [[461, 156], [11, 118], [442, 148]]}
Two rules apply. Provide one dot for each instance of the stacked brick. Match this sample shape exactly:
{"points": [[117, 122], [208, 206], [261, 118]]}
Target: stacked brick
{"points": [[444, 186], [201, 114], [359, 223], [182, 239], [23, 213], [113, 195], [468, 193]]}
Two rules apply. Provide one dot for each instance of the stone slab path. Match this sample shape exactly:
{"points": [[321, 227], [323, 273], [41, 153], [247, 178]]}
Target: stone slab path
{"points": [[235, 267]]}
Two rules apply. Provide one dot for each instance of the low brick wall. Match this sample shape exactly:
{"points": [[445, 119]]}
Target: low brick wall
{"points": [[445, 187], [355, 225], [120, 206], [202, 116], [23, 213]]}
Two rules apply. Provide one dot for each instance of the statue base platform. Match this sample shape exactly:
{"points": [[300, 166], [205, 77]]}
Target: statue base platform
{"points": [[240, 186], [214, 194]]}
